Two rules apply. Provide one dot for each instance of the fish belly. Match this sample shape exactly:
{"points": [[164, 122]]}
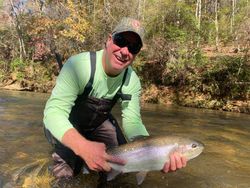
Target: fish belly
{"points": [[144, 159]]}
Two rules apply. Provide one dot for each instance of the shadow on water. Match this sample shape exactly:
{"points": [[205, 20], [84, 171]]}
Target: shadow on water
{"points": [[225, 162]]}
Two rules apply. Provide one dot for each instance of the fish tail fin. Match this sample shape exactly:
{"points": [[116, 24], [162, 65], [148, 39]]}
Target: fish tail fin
{"points": [[140, 176]]}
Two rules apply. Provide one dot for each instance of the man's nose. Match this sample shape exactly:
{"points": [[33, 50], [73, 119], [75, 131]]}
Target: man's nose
{"points": [[125, 51]]}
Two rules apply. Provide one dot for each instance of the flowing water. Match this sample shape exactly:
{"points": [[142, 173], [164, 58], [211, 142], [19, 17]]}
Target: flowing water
{"points": [[225, 162]]}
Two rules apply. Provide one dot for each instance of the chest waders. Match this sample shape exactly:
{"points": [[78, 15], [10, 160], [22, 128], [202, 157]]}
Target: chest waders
{"points": [[87, 115], [89, 112]]}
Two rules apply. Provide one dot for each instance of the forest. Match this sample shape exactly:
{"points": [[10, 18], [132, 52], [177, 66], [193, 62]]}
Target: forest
{"points": [[196, 52]]}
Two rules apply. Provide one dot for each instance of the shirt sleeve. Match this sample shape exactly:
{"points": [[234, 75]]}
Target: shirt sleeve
{"points": [[69, 85], [131, 116]]}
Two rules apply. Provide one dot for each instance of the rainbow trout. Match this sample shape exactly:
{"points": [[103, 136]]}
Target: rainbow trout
{"points": [[150, 154]]}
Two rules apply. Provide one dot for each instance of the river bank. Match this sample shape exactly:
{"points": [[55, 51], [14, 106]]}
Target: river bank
{"points": [[171, 96], [152, 94], [216, 83]]}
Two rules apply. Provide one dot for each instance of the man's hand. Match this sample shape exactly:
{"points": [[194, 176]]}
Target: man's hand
{"points": [[95, 156], [176, 162], [93, 153]]}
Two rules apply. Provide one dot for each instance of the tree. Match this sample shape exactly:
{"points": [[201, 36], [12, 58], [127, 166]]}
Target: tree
{"points": [[63, 26], [232, 15], [16, 12], [198, 18], [216, 24]]}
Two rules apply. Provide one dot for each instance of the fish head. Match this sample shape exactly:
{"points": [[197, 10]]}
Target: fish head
{"points": [[190, 148]]}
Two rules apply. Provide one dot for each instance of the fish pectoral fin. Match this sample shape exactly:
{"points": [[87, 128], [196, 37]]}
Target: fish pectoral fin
{"points": [[112, 174], [140, 176], [85, 170]]}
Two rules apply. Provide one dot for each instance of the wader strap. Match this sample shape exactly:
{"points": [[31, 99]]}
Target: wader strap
{"points": [[119, 93], [88, 86], [120, 136], [124, 78]]}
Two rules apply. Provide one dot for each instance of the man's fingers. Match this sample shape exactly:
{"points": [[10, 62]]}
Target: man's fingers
{"points": [[172, 162], [94, 167], [106, 167], [166, 167], [184, 161], [103, 165], [114, 159], [100, 166], [178, 160]]}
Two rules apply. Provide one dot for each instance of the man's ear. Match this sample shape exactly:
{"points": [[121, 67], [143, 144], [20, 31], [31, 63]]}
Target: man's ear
{"points": [[108, 40], [109, 37]]}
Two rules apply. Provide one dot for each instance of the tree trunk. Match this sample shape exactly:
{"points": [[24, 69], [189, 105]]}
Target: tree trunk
{"points": [[178, 14], [216, 25], [232, 16], [19, 31], [205, 7], [198, 18]]}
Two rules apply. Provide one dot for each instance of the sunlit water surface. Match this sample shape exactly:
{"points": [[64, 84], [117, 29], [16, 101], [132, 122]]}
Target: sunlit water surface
{"points": [[225, 162]]}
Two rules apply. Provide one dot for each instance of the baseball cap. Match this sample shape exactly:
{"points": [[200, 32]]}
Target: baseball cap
{"points": [[129, 24]]}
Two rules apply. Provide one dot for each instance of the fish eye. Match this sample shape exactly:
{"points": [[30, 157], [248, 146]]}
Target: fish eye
{"points": [[194, 145]]}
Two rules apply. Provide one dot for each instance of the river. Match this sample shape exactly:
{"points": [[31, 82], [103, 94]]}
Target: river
{"points": [[225, 162]]}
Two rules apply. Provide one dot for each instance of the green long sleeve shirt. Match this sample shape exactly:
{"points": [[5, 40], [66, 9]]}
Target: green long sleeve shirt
{"points": [[71, 82]]}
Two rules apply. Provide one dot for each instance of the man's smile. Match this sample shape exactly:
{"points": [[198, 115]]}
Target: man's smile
{"points": [[120, 59]]}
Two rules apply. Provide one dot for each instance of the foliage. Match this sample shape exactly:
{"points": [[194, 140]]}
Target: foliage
{"points": [[2, 70], [170, 57], [62, 27], [227, 78], [75, 25], [176, 20], [222, 78], [8, 44], [17, 65]]}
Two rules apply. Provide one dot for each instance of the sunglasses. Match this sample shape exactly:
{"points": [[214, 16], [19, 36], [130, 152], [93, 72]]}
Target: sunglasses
{"points": [[121, 41]]}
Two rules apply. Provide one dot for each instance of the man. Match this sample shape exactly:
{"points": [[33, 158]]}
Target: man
{"points": [[78, 116]]}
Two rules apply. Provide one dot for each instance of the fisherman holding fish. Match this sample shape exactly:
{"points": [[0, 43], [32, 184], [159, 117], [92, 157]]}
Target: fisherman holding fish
{"points": [[77, 117]]}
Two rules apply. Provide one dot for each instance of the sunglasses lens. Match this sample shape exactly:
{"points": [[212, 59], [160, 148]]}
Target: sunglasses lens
{"points": [[134, 49], [121, 41]]}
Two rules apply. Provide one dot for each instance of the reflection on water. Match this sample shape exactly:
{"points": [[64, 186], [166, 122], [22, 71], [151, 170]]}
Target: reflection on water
{"points": [[225, 162]]}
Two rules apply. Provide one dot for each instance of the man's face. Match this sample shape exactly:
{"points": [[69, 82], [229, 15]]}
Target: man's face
{"points": [[121, 50]]}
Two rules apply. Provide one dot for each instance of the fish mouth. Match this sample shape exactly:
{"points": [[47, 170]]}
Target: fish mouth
{"points": [[201, 145]]}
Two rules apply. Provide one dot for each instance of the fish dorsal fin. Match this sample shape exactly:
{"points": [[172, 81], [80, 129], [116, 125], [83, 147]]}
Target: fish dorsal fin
{"points": [[112, 174], [140, 176], [140, 137]]}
